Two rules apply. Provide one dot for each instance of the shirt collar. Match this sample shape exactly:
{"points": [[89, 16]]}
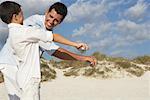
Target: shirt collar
{"points": [[43, 22], [14, 25]]}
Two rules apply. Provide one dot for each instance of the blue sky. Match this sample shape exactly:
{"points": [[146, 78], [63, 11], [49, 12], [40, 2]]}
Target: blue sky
{"points": [[113, 27]]}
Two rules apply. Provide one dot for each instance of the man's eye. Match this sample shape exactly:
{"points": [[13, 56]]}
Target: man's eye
{"points": [[51, 16]]}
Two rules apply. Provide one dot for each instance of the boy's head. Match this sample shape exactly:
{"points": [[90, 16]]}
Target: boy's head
{"points": [[10, 12], [55, 15]]}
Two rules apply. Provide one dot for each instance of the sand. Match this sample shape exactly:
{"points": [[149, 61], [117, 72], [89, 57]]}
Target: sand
{"points": [[83, 88]]}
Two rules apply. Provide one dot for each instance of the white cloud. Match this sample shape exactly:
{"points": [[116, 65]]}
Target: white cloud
{"points": [[92, 29], [102, 44], [137, 11], [93, 13], [89, 9], [106, 35], [31, 7], [133, 32], [87, 28], [125, 33], [115, 36]]}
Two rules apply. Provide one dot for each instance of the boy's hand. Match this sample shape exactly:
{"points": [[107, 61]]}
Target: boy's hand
{"points": [[82, 46]]}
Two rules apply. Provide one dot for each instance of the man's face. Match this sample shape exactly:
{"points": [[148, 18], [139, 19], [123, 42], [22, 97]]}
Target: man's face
{"points": [[52, 19]]}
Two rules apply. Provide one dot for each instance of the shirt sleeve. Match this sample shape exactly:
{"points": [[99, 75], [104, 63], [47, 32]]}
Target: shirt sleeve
{"points": [[36, 35], [48, 45]]}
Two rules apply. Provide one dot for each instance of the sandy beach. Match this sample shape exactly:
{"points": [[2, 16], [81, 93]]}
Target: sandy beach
{"points": [[83, 88]]}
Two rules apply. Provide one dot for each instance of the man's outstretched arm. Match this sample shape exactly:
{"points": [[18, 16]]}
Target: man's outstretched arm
{"points": [[67, 55], [60, 39]]}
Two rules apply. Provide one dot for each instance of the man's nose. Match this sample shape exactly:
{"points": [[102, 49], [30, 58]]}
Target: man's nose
{"points": [[52, 21]]}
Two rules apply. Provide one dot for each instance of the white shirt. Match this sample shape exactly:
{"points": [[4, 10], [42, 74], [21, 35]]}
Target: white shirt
{"points": [[25, 43], [6, 56], [38, 22]]}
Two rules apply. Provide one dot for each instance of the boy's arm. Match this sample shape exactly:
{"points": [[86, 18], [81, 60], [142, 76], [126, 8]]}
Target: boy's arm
{"points": [[36, 35], [60, 39], [67, 55]]}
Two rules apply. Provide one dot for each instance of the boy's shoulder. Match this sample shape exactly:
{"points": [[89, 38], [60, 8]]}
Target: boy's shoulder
{"points": [[18, 28]]}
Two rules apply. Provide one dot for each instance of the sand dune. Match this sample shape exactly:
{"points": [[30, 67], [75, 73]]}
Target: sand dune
{"points": [[83, 88]]}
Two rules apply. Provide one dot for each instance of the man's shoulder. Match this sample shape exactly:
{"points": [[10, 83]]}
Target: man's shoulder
{"points": [[34, 20], [35, 17]]}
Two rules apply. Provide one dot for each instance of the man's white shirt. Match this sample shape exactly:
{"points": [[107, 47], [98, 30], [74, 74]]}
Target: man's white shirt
{"points": [[25, 43], [37, 21]]}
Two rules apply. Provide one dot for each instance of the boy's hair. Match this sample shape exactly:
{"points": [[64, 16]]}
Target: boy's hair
{"points": [[7, 9], [60, 8]]}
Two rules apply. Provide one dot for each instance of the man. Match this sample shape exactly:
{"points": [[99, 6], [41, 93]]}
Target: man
{"points": [[53, 17], [24, 43]]}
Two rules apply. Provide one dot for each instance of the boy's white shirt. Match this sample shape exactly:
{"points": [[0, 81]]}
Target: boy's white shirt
{"points": [[37, 21], [7, 53], [25, 43]]}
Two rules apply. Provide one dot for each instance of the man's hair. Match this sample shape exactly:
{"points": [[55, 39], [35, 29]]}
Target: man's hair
{"points": [[7, 9], [60, 8]]}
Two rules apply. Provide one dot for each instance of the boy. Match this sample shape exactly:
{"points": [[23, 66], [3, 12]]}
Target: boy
{"points": [[24, 43]]}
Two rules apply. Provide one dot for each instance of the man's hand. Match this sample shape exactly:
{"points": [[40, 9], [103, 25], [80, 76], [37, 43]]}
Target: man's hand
{"points": [[67, 55], [82, 46], [92, 60]]}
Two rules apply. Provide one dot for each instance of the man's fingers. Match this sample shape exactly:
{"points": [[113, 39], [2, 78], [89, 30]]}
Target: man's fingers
{"points": [[86, 46], [83, 46], [93, 61]]}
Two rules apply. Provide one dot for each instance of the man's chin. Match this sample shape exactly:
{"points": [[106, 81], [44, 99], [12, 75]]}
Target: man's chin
{"points": [[49, 29]]}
